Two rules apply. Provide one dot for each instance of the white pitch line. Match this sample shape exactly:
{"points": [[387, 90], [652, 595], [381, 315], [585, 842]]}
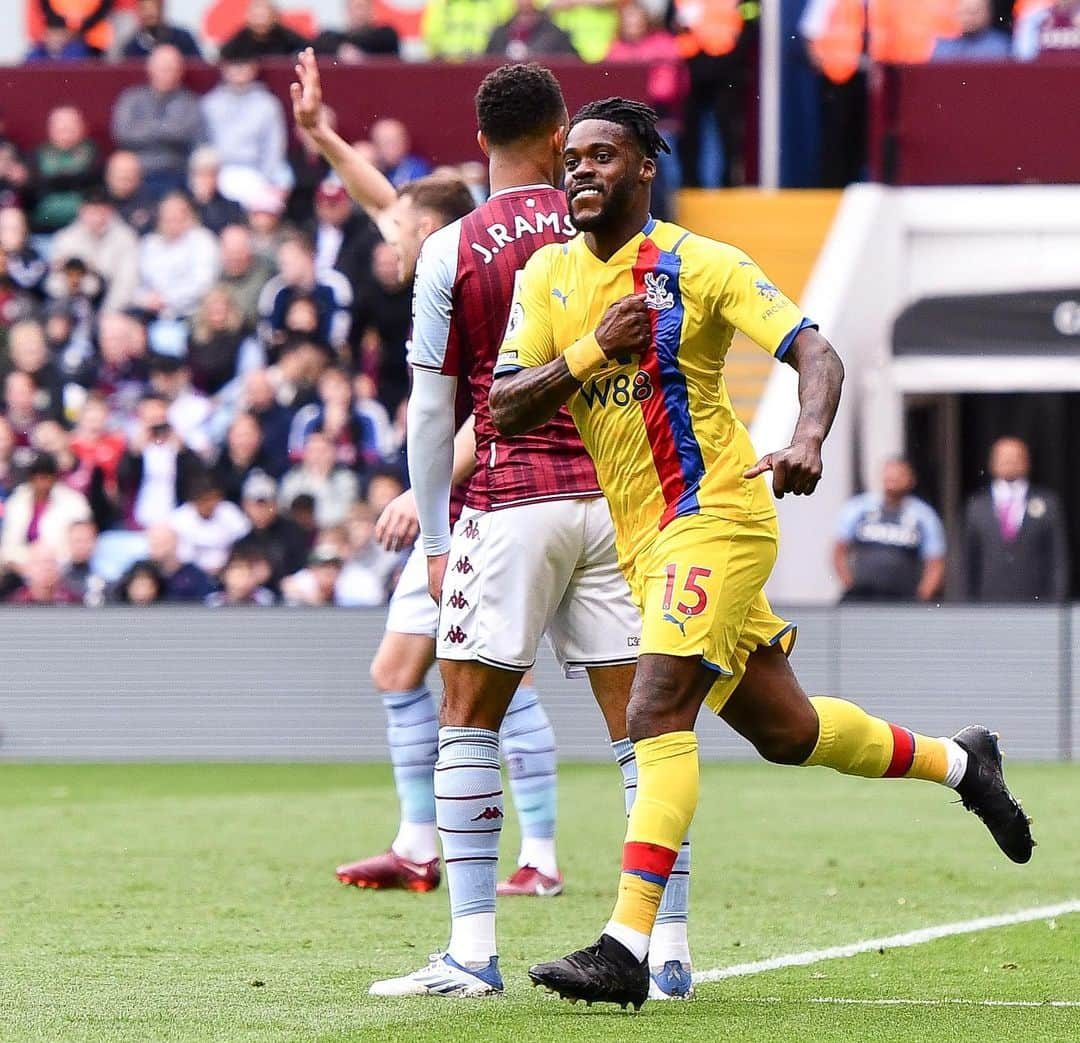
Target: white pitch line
{"points": [[843, 1001], [895, 941], [948, 1002]]}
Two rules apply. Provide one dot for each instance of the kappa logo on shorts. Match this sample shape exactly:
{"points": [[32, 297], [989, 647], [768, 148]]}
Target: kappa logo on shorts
{"points": [[471, 530], [463, 565], [455, 635], [488, 815], [680, 623], [457, 600]]}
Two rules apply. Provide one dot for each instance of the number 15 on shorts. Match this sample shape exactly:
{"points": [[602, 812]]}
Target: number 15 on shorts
{"points": [[689, 597]]}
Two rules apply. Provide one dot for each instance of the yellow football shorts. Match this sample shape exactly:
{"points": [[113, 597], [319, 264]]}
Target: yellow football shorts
{"points": [[699, 590]]}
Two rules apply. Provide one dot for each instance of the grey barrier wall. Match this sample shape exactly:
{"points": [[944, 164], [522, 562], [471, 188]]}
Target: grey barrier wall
{"points": [[292, 684]]}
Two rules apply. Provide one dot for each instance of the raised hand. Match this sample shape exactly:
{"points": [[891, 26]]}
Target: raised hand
{"points": [[306, 94]]}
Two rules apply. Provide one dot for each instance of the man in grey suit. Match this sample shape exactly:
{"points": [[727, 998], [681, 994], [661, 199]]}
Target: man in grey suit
{"points": [[1016, 548]]}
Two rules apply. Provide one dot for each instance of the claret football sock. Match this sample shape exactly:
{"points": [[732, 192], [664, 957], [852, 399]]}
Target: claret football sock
{"points": [[469, 807], [667, 794], [669, 935], [528, 747], [412, 730], [854, 743]]}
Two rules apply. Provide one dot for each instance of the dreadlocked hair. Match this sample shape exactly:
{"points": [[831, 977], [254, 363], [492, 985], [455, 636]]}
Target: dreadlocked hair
{"points": [[637, 117]]}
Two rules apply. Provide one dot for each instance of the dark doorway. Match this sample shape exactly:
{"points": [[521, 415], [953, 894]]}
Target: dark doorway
{"points": [[949, 439]]}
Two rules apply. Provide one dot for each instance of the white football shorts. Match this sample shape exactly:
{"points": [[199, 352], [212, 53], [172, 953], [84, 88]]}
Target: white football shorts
{"points": [[515, 573], [411, 609]]}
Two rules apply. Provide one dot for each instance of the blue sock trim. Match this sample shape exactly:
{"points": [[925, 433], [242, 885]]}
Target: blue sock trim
{"points": [[652, 878]]}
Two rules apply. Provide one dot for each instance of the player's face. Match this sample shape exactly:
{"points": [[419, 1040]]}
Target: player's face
{"points": [[605, 172]]}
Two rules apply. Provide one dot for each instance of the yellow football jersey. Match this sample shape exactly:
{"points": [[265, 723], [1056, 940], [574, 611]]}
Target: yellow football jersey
{"points": [[659, 427]]}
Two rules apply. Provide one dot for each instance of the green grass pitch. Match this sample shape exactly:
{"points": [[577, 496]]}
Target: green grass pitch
{"points": [[198, 903]]}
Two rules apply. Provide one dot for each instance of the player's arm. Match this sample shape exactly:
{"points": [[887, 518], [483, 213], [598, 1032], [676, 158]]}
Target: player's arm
{"points": [[430, 447], [530, 385], [846, 527], [430, 423], [529, 398], [364, 182], [465, 451], [744, 297], [841, 566], [933, 576], [399, 524], [932, 552], [797, 469]]}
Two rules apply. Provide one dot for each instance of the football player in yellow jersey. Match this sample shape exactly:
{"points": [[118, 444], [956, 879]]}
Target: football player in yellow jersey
{"points": [[629, 324]]}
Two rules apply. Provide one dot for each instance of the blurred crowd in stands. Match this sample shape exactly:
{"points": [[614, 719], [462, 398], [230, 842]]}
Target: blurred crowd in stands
{"points": [[700, 53], [844, 37], [202, 355], [203, 372], [203, 368], [703, 53]]}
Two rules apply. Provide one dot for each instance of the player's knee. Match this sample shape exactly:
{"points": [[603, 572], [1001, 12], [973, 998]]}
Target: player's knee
{"points": [[466, 711], [472, 699], [661, 708], [790, 741], [391, 674]]}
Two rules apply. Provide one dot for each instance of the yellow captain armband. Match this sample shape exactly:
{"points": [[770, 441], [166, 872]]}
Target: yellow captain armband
{"points": [[585, 358]]}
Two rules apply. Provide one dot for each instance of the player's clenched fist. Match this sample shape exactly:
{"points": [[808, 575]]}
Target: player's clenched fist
{"points": [[626, 328]]}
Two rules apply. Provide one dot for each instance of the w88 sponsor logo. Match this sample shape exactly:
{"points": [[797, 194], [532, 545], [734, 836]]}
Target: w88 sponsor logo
{"points": [[620, 390]]}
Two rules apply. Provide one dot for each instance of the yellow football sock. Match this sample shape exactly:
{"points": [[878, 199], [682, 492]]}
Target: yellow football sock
{"points": [[667, 794], [854, 743]]}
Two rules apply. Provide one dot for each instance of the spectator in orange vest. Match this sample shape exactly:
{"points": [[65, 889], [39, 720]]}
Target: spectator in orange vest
{"points": [[74, 29], [905, 32], [712, 39], [836, 33]]}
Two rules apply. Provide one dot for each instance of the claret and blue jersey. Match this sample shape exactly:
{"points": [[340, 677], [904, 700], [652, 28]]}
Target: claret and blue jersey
{"points": [[660, 427]]}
